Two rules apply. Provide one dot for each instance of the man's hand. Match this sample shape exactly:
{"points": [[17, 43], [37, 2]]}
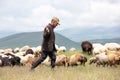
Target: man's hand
{"points": [[47, 30]]}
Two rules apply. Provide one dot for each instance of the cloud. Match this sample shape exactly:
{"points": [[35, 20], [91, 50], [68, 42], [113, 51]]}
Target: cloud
{"points": [[100, 14], [34, 15]]}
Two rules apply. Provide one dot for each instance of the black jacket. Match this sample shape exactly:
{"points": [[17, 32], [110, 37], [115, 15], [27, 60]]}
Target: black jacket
{"points": [[48, 43]]}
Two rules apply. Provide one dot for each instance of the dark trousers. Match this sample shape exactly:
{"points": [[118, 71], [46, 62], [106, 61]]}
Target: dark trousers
{"points": [[43, 57]]}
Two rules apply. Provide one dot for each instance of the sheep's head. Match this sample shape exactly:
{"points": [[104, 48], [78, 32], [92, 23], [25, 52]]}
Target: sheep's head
{"points": [[92, 60]]}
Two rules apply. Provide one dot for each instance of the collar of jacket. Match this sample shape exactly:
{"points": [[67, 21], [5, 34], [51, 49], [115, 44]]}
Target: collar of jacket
{"points": [[51, 26]]}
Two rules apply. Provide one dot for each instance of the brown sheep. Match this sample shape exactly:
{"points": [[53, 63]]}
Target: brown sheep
{"points": [[76, 59], [87, 47], [113, 57], [60, 60]]}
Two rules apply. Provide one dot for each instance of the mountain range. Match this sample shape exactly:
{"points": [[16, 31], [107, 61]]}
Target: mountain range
{"points": [[89, 33], [71, 37], [34, 39]]}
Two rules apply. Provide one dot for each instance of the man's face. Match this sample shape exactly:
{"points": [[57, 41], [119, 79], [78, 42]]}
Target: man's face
{"points": [[55, 23]]}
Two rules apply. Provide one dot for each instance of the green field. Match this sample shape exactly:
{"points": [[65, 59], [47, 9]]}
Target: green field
{"points": [[89, 72]]}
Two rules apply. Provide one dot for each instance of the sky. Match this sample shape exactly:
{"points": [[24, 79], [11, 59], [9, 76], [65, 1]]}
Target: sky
{"points": [[34, 15]]}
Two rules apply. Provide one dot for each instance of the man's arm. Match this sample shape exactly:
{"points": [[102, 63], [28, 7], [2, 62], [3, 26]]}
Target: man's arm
{"points": [[46, 32]]}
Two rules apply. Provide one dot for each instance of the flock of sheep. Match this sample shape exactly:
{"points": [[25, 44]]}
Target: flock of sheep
{"points": [[106, 55]]}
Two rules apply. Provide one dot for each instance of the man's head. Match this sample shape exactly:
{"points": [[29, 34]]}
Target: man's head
{"points": [[55, 21]]}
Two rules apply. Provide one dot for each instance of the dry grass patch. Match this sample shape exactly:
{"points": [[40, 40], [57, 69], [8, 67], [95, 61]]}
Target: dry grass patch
{"points": [[90, 72]]}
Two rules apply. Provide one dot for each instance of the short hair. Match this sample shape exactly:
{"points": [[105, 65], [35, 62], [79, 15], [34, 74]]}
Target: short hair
{"points": [[55, 19]]}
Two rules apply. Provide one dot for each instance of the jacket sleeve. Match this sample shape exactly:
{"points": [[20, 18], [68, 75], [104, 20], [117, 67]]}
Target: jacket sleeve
{"points": [[46, 34]]}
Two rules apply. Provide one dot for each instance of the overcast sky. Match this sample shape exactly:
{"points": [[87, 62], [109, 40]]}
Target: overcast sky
{"points": [[34, 15]]}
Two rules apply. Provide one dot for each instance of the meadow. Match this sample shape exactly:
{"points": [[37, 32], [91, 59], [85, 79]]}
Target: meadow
{"points": [[89, 72]]}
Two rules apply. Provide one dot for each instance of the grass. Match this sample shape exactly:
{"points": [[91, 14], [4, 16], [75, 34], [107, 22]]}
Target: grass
{"points": [[89, 72]]}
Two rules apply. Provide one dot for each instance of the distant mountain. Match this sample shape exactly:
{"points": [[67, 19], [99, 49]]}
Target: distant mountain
{"points": [[103, 41], [34, 39], [4, 33], [90, 33], [79, 34]]}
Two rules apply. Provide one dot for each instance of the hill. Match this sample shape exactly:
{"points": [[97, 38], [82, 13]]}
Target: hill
{"points": [[103, 41], [90, 33], [34, 39]]}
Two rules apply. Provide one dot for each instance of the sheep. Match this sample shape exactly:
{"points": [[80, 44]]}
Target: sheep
{"points": [[5, 61], [46, 62], [20, 53], [24, 48], [62, 48], [32, 59], [14, 60], [96, 45], [27, 59], [102, 59], [56, 46], [38, 50], [72, 49], [92, 60], [29, 51], [35, 50], [3, 55], [9, 50], [76, 59], [113, 52], [87, 47], [60, 61], [113, 57], [99, 59], [16, 50], [112, 46], [99, 49], [2, 51], [9, 60]]}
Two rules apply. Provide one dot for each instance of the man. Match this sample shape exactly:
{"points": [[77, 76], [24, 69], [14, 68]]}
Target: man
{"points": [[48, 44]]}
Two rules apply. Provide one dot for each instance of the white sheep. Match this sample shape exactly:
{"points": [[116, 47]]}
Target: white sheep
{"points": [[24, 48], [2, 51], [102, 59], [38, 50], [20, 53], [72, 49], [99, 49], [29, 58], [99, 59], [56, 46], [112, 46], [62, 48], [96, 45], [9, 50], [16, 50]]}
